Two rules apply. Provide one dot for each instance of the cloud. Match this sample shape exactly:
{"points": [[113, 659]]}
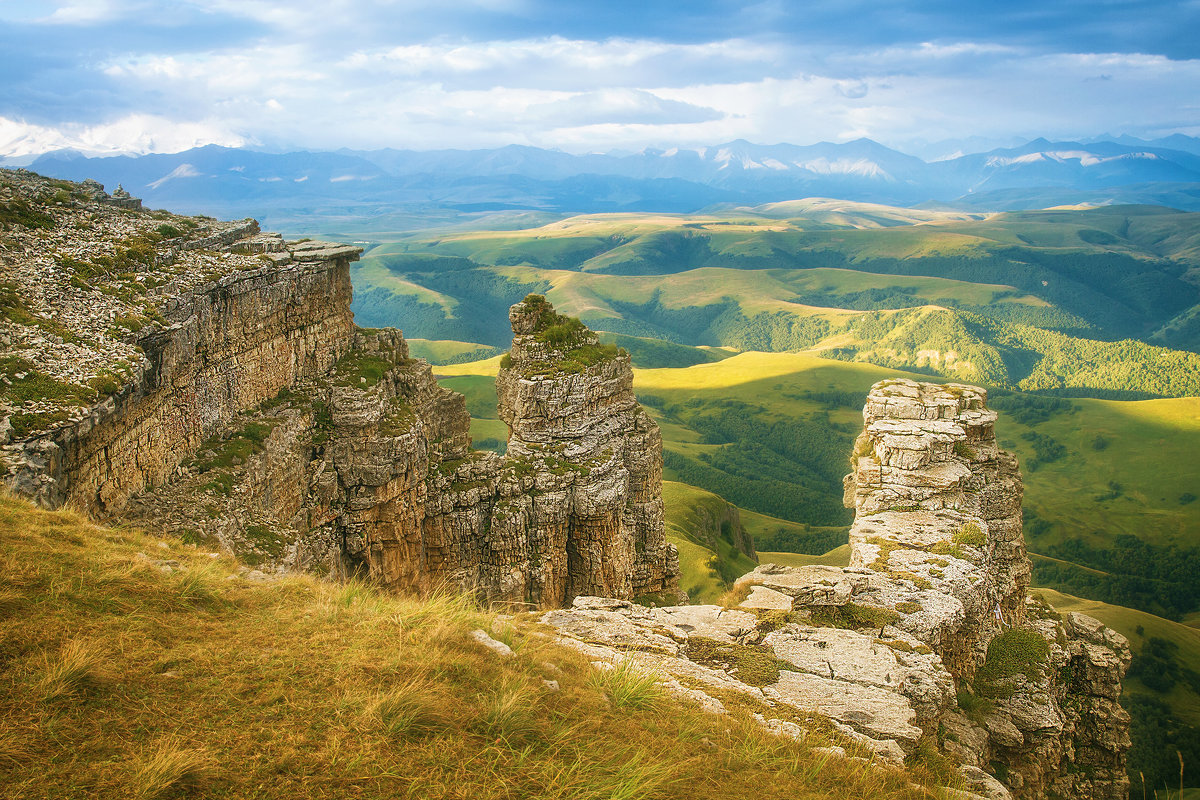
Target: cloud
{"points": [[136, 133], [619, 106], [131, 75]]}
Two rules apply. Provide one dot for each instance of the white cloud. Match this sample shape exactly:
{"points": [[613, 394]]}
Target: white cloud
{"points": [[299, 91], [84, 12], [135, 133]]}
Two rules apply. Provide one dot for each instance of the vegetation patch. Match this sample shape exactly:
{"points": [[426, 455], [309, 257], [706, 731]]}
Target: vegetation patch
{"points": [[361, 368], [20, 214], [217, 453], [754, 664], [628, 686], [1017, 651], [964, 450], [851, 616], [975, 706], [13, 308], [971, 535], [567, 335]]}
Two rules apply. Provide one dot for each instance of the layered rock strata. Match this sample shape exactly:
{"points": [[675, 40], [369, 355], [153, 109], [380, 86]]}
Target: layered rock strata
{"points": [[131, 336], [206, 378], [928, 638], [574, 506], [391, 488]]}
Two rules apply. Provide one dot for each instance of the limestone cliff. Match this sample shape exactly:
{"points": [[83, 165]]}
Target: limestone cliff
{"points": [[929, 639], [368, 469], [938, 509], [130, 337], [204, 378]]}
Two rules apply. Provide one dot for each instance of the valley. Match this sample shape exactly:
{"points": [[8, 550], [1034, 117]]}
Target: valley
{"points": [[756, 333]]}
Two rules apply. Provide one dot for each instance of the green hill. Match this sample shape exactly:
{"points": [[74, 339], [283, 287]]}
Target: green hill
{"points": [[1124, 270], [1096, 303]]}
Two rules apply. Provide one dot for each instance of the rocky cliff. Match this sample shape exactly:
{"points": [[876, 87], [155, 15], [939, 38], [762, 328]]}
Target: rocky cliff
{"points": [[130, 337], [928, 642], [368, 469], [204, 378]]}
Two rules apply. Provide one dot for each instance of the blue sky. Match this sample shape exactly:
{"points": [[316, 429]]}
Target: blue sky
{"points": [[141, 76]]}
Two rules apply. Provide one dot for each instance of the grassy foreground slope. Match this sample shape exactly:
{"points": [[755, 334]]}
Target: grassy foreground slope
{"points": [[139, 668]]}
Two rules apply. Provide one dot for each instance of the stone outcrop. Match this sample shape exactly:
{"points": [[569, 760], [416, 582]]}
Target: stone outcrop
{"points": [[368, 469], [206, 378], [928, 637], [153, 339], [574, 507]]}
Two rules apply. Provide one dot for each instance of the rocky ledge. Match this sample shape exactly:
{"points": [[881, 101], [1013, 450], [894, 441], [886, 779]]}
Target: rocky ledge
{"points": [[927, 642]]}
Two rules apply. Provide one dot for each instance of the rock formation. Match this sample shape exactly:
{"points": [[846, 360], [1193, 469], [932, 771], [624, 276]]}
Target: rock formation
{"points": [[928, 639], [207, 379], [574, 507], [129, 340]]}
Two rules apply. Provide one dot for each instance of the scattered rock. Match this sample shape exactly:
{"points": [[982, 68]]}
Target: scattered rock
{"points": [[500, 648]]}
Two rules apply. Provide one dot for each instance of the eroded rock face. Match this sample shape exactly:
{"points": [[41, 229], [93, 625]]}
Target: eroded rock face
{"points": [[573, 508], [151, 332], [206, 378], [929, 634], [391, 488]]}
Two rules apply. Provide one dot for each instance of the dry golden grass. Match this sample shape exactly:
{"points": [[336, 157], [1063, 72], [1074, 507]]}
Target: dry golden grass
{"points": [[173, 768], [190, 682]]}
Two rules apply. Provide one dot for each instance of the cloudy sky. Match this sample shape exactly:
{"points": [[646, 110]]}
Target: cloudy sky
{"points": [[146, 76]]}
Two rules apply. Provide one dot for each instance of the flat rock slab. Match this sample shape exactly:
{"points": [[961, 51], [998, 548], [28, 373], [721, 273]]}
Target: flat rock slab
{"points": [[840, 654], [764, 598], [611, 629], [711, 622], [879, 713], [811, 585]]}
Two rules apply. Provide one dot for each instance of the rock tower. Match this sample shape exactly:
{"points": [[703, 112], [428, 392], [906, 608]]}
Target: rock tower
{"points": [[929, 638]]}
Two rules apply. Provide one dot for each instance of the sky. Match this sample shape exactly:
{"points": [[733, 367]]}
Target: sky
{"points": [[929, 78]]}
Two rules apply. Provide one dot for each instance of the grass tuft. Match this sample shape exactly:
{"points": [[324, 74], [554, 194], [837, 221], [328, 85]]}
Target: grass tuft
{"points": [[70, 673], [173, 769], [410, 710], [627, 685], [508, 714]]}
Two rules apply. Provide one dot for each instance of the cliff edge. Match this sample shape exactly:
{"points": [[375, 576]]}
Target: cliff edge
{"points": [[206, 379]]}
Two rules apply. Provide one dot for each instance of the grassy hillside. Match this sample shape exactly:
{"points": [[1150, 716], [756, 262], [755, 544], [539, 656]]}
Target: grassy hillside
{"points": [[709, 560], [985, 320], [447, 351], [141, 668]]}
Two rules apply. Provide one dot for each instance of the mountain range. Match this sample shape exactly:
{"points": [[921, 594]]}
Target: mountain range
{"points": [[283, 186]]}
